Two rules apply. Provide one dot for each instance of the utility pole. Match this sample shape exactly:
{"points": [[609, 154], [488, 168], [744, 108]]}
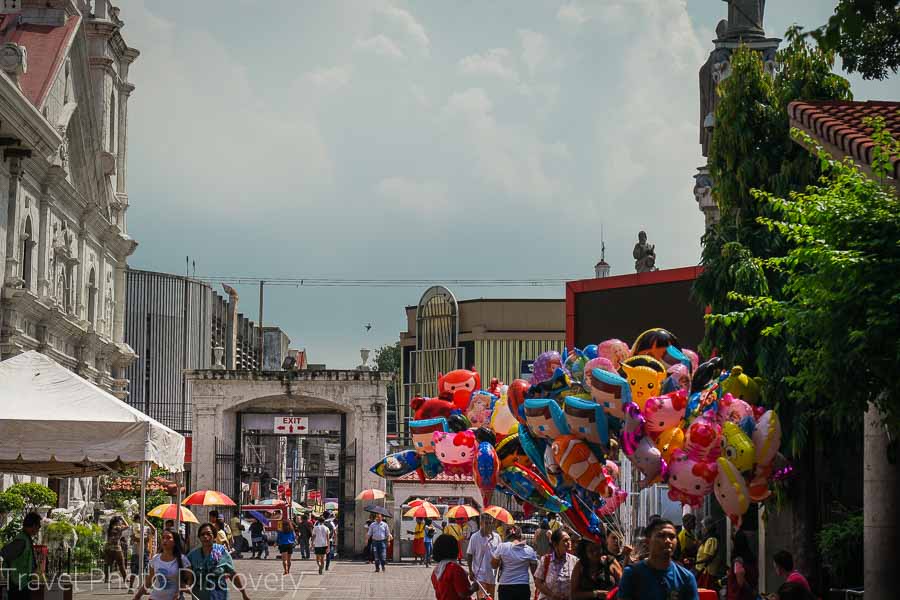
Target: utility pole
{"points": [[261, 347]]}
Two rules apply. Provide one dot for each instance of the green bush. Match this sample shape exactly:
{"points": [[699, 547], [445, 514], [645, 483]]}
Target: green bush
{"points": [[11, 502], [89, 547], [34, 495], [839, 544]]}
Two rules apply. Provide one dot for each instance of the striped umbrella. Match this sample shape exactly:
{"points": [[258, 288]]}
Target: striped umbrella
{"points": [[460, 511], [169, 511], [208, 498], [501, 514], [371, 494], [426, 510], [416, 502]]}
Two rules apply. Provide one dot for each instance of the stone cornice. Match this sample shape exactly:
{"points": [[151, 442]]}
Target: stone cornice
{"points": [[18, 114], [350, 375]]}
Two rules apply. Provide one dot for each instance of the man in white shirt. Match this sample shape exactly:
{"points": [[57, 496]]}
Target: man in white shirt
{"points": [[482, 544], [379, 535], [320, 539]]}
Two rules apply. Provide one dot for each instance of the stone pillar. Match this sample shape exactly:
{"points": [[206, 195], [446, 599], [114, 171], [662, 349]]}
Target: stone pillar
{"points": [[11, 276], [43, 288], [80, 275], [118, 334], [366, 424], [203, 447], [881, 518]]}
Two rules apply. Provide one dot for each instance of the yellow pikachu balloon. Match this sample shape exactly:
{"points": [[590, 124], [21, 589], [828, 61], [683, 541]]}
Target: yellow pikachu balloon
{"points": [[731, 490], [645, 376], [737, 447]]}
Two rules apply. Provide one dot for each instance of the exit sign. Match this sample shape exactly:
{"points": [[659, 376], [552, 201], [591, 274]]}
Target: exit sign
{"points": [[291, 425]]}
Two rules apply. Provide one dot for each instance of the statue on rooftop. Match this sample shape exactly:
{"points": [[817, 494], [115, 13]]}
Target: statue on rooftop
{"points": [[644, 255], [745, 18]]}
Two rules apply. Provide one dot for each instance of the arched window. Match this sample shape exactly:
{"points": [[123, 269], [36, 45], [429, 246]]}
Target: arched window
{"points": [[112, 122], [92, 298], [27, 253]]}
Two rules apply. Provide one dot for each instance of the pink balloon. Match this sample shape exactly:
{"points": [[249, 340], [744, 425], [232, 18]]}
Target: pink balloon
{"points": [[703, 441], [695, 358], [614, 350], [596, 363], [734, 409]]}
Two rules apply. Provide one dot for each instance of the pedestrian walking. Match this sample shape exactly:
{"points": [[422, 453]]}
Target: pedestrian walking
{"points": [[418, 545], [19, 561], [448, 578], [784, 568], [541, 543], [258, 540], [368, 549], [658, 576], [456, 531], [553, 577], [149, 536], [596, 573], [167, 572], [332, 538], [320, 538], [212, 568], [516, 560], [378, 536], [286, 541], [429, 541], [236, 539], [113, 556], [743, 575], [708, 563], [619, 550], [304, 533], [688, 542], [482, 545]]}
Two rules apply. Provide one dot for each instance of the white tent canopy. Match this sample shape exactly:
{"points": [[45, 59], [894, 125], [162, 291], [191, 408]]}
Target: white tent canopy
{"points": [[55, 423]]}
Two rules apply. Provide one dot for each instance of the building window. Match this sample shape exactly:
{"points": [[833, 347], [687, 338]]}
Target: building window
{"points": [[27, 253], [112, 122], [92, 298]]}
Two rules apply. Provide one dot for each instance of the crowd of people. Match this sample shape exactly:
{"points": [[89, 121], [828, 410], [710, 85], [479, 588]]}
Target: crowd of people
{"points": [[669, 562]]}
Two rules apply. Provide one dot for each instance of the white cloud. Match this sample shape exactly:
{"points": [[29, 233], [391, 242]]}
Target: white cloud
{"points": [[177, 114], [410, 25], [513, 158], [381, 45], [535, 49], [495, 62], [330, 78], [423, 195], [419, 95], [572, 14]]}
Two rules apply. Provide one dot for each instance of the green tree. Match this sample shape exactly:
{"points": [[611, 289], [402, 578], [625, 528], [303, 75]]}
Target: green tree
{"points": [[751, 149], [387, 358], [866, 35], [11, 503], [34, 495]]}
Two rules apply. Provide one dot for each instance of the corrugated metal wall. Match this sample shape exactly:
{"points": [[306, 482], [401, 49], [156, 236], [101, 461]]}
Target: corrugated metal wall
{"points": [[168, 323], [503, 358]]}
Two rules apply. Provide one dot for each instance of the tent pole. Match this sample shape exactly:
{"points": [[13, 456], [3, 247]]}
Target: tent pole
{"points": [[178, 479], [143, 510]]}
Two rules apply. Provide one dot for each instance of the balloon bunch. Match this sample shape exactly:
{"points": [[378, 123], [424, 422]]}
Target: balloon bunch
{"points": [[553, 441]]}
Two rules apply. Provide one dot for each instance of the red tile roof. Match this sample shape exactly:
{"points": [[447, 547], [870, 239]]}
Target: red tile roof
{"points": [[839, 125], [440, 478], [46, 46]]}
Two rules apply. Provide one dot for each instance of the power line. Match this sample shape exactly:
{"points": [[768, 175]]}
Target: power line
{"points": [[369, 282]]}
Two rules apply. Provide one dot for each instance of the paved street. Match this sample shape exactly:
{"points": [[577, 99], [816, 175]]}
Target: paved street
{"points": [[344, 580]]}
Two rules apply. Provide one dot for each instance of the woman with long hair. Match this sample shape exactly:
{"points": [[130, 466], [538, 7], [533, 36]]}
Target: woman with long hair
{"points": [[743, 575], [212, 568], [596, 573], [286, 541], [553, 577], [113, 555], [166, 578]]}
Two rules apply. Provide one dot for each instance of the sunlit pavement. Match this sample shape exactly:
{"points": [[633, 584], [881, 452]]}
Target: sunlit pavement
{"points": [[345, 579]]}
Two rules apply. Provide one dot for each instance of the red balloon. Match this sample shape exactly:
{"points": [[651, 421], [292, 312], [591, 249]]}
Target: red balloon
{"points": [[515, 397]]}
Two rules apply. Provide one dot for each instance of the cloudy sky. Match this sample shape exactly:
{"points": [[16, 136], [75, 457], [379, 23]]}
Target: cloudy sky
{"points": [[400, 139]]}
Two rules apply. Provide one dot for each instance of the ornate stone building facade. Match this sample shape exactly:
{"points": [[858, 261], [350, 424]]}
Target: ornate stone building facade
{"points": [[744, 26], [64, 239]]}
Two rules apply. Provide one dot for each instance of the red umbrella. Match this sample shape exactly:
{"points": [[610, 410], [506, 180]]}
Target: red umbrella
{"points": [[208, 498]]}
